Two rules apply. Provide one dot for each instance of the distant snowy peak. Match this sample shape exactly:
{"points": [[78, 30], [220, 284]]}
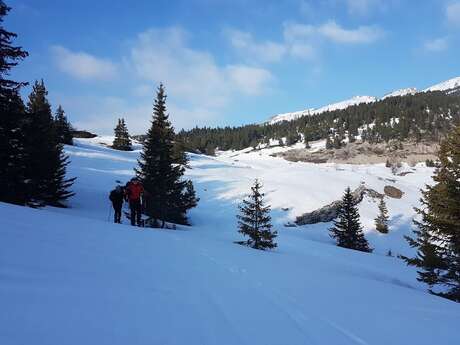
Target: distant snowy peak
{"points": [[446, 85], [290, 116], [345, 104], [401, 92], [331, 107]]}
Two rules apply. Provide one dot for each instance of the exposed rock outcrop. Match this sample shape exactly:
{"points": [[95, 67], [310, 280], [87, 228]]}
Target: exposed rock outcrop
{"points": [[393, 192], [366, 153], [329, 212]]}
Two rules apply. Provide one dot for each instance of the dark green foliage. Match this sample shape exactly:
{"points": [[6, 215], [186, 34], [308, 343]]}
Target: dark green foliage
{"points": [[381, 222], [329, 143], [347, 229], [13, 158], [122, 141], [62, 127], [437, 237], [9, 54], [430, 163], [161, 168], [46, 165], [254, 220], [421, 116]]}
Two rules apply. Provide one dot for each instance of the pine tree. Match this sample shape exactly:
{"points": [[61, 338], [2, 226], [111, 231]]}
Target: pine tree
{"points": [[9, 54], [47, 162], [62, 127], [161, 169], [437, 237], [13, 158], [254, 220], [347, 230], [122, 141], [381, 221], [329, 144]]}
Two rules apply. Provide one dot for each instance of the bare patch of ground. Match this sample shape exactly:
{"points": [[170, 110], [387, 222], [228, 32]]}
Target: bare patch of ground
{"points": [[366, 153]]}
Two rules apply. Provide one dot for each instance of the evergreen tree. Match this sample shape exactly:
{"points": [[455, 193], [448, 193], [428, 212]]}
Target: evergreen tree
{"points": [[9, 54], [347, 229], [381, 222], [47, 162], [329, 144], [254, 220], [161, 169], [13, 158], [62, 127], [122, 141], [438, 233]]}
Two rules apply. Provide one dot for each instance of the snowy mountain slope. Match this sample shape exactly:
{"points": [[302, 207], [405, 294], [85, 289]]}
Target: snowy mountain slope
{"points": [[401, 92], [330, 107], [444, 86], [72, 277]]}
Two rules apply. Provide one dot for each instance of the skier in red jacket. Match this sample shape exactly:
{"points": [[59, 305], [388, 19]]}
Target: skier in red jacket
{"points": [[133, 193]]}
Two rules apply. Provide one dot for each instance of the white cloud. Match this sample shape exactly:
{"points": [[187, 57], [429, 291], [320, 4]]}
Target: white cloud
{"points": [[191, 75], [436, 45], [250, 80], [302, 39], [267, 51], [363, 34], [453, 13], [83, 66]]}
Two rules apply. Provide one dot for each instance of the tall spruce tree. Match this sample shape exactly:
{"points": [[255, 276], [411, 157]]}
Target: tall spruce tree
{"points": [[13, 158], [438, 232], [47, 162], [62, 127], [381, 221], [122, 141], [254, 220], [347, 230], [161, 169]]}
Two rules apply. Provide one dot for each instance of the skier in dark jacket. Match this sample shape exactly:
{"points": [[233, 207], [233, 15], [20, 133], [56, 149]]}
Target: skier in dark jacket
{"points": [[116, 197], [133, 193]]}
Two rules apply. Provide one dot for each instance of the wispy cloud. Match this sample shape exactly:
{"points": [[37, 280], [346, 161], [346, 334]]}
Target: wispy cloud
{"points": [[267, 51], [300, 40], [453, 13], [82, 65], [436, 45], [360, 35]]}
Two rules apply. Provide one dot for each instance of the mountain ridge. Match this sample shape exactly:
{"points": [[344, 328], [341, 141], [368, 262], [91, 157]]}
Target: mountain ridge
{"points": [[446, 85]]}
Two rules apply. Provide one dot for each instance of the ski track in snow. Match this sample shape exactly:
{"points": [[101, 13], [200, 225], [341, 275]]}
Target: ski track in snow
{"points": [[69, 276]]}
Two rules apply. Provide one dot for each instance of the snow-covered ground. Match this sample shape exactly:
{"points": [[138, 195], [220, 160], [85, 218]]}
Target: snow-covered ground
{"points": [[70, 276]]}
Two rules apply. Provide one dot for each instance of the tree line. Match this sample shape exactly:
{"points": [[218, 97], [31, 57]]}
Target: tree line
{"points": [[32, 161], [427, 116]]}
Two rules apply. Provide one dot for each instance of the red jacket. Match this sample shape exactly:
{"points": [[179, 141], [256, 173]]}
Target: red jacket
{"points": [[134, 191]]}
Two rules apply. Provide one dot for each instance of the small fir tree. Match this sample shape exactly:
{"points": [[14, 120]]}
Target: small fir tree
{"points": [[437, 237], [329, 144], [122, 141], [161, 169], [62, 127], [347, 230], [381, 222], [254, 220]]}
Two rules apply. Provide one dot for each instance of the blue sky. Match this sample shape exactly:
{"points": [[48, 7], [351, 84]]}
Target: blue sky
{"points": [[229, 62]]}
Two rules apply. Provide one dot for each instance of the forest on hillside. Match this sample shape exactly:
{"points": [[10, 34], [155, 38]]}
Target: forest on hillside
{"points": [[426, 116]]}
